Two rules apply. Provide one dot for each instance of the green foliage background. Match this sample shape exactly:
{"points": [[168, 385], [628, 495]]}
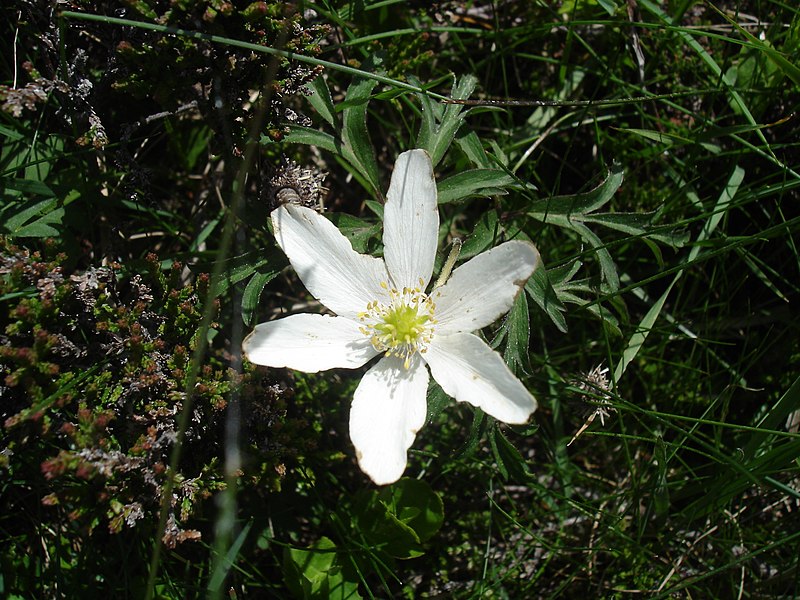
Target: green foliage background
{"points": [[648, 148]]}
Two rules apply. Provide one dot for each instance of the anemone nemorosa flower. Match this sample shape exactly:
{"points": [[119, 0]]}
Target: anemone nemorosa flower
{"points": [[382, 308]]}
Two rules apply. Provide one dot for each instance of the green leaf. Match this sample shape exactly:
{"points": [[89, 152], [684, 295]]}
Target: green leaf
{"points": [[509, 461], [314, 573], [518, 333], [384, 531], [474, 182], [470, 144], [441, 122], [42, 227], [638, 338], [561, 210], [252, 293], [486, 231], [607, 265], [774, 417], [322, 102], [358, 231], [12, 221], [657, 136], [224, 566], [609, 6], [436, 401], [356, 145], [541, 290], [11, 135], [243, 266], [639, 224], [312, 137], [475, 436], [791, 70], [33, 219], [28, 186], [415, 503], [400, 517]]}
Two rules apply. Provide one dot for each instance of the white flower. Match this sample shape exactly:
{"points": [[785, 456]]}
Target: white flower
{"points": [[382, 308]]}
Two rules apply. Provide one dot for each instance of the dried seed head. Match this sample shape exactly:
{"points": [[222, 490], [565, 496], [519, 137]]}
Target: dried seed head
{"points": [[596, 387], [291, 183]]}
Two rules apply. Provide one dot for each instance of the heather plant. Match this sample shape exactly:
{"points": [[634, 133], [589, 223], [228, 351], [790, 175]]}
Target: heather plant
{"points": [[95, 366], [163, 163]]}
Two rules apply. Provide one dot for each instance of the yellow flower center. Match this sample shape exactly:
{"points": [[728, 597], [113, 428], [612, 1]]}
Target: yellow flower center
{"points": [[403, 326]]}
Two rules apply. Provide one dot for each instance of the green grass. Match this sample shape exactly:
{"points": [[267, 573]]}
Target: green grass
{"points": [[651, 156]]}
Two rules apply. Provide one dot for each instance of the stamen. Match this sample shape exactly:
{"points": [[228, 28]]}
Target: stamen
{"points": [[402, 326], [449, 263]]}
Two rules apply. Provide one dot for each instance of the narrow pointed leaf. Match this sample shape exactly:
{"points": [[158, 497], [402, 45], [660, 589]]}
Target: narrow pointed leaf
{"points": [[475, 182], [322, 102], [356, 145], [579, 204]]}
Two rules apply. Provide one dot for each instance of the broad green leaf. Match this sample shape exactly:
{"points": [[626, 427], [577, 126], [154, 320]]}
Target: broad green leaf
{"points": [[314, 573], [416, 504], [42, 227], [475, 182], [400, 517], [382, 528], [33, 219]]}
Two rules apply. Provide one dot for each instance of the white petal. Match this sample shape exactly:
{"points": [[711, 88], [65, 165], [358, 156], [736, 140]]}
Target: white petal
{"points": [[484, 288], [388, 409], [309, 343], [411, 221], [470, 371], [335, 274]]}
